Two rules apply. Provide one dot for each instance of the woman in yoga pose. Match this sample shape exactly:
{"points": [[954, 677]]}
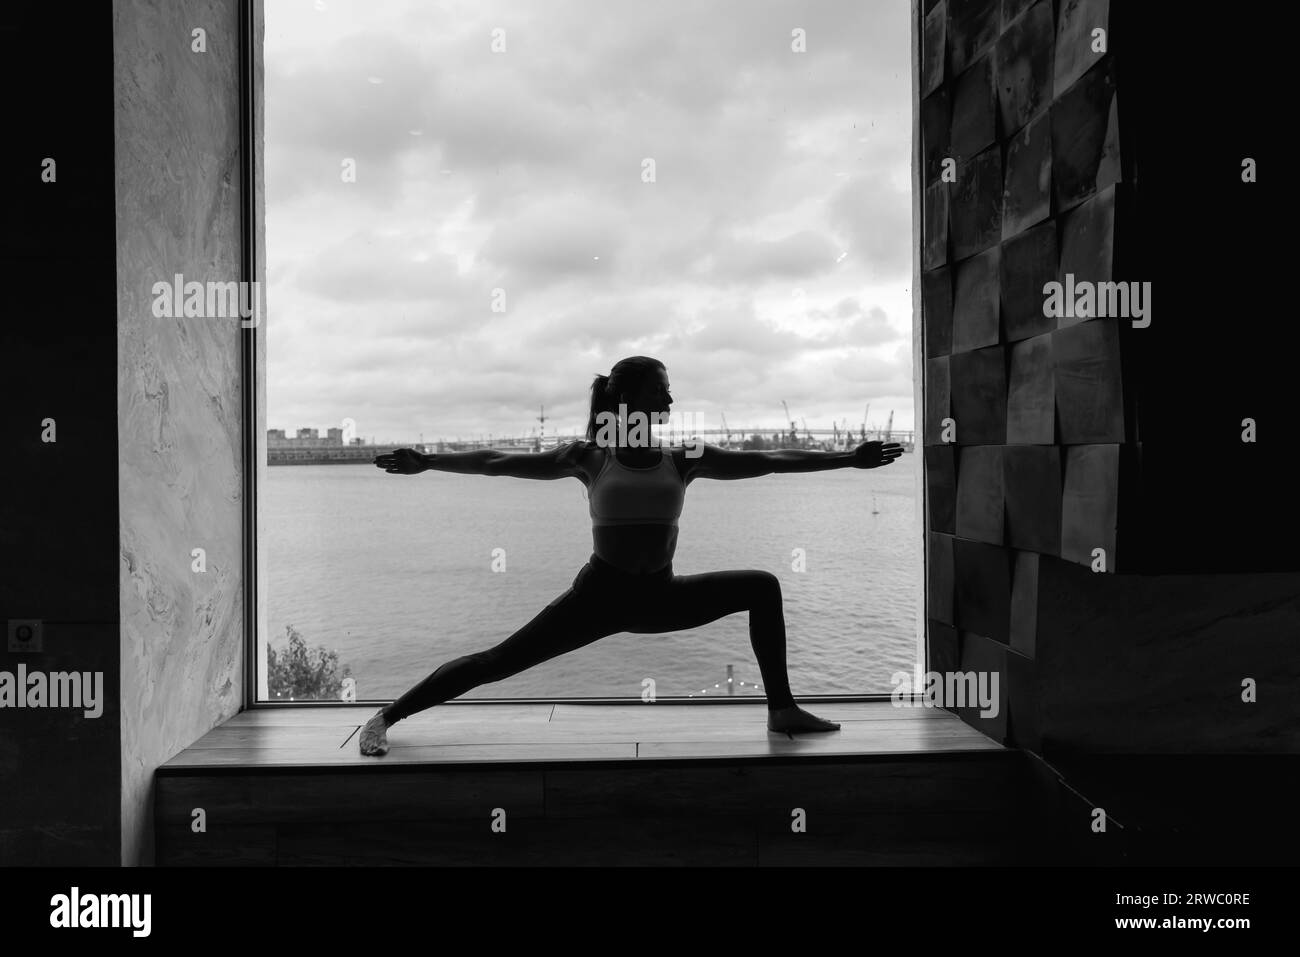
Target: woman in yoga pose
{"points": [[635, 490]]}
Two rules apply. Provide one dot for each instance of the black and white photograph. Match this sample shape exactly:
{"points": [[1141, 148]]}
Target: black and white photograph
{"points": [[486, 437]]}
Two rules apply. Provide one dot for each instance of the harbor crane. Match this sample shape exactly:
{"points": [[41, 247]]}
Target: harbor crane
{"points": [[541, 436], [726, 430]]}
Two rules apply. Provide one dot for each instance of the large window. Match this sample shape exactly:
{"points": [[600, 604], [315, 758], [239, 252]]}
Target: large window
{"points": [[473, 208]]}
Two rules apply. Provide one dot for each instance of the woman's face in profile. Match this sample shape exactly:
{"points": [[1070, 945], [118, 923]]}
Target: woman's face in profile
{"points": [[652, 398]]}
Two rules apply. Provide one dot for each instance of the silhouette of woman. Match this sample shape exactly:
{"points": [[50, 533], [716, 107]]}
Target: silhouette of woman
{"points": [[636, 487]]}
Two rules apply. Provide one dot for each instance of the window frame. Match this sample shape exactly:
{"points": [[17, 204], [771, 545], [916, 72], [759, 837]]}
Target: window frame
{"points": [[251, 39]]}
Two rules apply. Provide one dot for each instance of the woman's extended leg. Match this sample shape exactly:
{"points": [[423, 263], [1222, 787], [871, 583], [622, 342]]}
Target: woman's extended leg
{"points": [[578, 617], [689, 601]]}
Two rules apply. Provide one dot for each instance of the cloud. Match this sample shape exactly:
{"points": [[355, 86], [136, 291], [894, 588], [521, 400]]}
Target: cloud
{"points": [[523, 171], [369, 267], [554, 239], [802, 255], [876, 219]]}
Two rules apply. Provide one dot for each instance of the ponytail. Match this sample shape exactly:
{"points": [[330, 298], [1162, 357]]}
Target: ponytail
{"points": [[601, 401]]}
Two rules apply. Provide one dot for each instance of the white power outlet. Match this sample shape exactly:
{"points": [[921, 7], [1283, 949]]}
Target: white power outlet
{"points": [[25, 634]]}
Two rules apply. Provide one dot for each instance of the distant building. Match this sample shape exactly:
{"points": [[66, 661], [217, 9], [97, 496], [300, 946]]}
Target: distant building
{"points": [[305, 439]]}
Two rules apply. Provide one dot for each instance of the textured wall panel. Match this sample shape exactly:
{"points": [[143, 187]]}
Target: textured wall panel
{"points": [[935, 250], [983, 593], [941, 487], [1029, 262], [972, 28], [1076, 21], [941, 579], [1027, 193], [979, 493], [974, 111], [986, 658], [979, 396], [975, 215], [1032, 484], [938, 397], [1011, 9], [1085, 138], [936, 305], [1087, 248], [1089, 504], [943, 648], [936, 134], [975, 302], [934, 45], [1086, 382], [1031, 394], [1023, 67], [1024, 602]]}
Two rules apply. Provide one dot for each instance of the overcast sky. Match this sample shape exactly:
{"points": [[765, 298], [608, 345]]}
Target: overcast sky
{"points": [[770, 259]]}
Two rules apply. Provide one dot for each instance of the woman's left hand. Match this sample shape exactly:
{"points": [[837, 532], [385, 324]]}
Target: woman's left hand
{"points": [[871, 455]]}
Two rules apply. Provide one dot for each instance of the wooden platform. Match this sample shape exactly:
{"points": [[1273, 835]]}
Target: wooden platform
{"points": [[593, 784], [529, 733]]}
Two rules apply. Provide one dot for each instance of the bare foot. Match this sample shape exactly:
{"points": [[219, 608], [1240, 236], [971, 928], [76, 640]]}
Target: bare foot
{"points": [[795, 720], [374, 735]]}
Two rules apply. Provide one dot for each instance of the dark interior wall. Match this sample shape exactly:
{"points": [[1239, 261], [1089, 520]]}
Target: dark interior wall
{"points": [[59, 769], [1073, 435]]}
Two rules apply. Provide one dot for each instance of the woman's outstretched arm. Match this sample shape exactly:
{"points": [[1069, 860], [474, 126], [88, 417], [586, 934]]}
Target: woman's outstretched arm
{"points": [[719, 463], [552, 464]]}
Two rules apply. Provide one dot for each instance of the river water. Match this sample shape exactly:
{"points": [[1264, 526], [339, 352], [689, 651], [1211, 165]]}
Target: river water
{"points": [[395, 573]]}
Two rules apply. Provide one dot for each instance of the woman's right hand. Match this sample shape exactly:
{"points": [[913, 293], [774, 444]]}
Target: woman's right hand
{"points": [[402, 462]]}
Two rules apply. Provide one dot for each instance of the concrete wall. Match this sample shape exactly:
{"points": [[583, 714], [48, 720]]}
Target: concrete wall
{"points": [[178, 389]]}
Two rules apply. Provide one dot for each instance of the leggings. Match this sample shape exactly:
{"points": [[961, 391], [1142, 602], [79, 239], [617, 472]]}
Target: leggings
{"points": [[605, 600]]}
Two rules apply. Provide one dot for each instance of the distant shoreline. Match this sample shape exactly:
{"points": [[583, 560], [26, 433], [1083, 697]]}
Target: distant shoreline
{"points": [[365, 454]]}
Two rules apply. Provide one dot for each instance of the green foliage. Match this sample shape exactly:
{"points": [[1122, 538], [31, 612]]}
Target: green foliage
{"points": [[304, 675]]}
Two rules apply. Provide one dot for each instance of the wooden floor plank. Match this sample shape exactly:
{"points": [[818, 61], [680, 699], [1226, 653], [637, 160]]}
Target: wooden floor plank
{"points": [[356, 715], [427, 754], [809, 745], [722, 714], [254, 738]]}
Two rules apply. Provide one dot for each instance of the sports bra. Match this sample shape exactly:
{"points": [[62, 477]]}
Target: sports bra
{"points": [[623, 495]]}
